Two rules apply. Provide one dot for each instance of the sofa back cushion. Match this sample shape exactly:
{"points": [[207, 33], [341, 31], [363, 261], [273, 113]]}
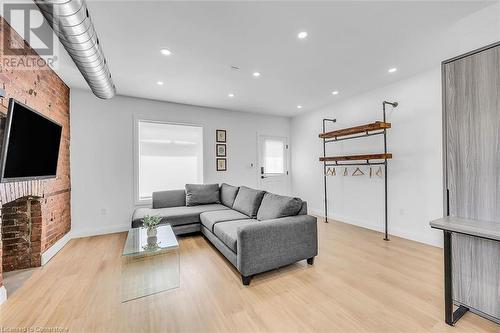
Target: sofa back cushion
{"points": [[202, 194], [171, 198], [248, 201], [228, 194], [274, 206]]}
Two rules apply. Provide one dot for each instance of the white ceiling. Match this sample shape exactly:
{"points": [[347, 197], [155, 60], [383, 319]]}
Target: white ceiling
{"points": [[349, 48]]}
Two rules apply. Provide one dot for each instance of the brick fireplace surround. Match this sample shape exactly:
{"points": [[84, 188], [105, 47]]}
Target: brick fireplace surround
{"points": [[21, 233], [34, 214]]}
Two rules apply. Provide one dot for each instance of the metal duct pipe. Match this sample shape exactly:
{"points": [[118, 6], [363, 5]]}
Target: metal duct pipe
{"points": [[71, 22]]}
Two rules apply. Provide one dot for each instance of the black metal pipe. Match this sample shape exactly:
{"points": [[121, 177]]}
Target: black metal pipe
{"points": [[324, 167], [324, 174], [393, 104], [386, 236], [448, 301]]}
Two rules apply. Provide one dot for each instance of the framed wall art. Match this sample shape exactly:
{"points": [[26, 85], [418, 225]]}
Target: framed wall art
{"points": [[220, 150], [220, 135], [221, 164]]}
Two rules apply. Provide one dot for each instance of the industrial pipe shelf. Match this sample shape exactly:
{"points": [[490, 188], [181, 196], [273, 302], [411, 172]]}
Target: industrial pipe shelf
{"points": [[376, 128], [366, 129], [384, 156]]}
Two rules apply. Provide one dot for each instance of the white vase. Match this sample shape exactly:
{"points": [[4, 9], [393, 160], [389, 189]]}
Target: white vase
{"points": [[151, 232]]}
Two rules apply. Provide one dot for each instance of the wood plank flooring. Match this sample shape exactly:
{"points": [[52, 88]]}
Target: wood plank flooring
{"points": [[359, 283]]}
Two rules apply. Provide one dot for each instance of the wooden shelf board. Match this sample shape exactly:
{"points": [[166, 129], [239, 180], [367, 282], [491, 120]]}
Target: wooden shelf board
{"points": [[378, 125], [356, 157]]}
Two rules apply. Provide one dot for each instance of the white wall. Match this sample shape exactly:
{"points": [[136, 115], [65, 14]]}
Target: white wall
{"points": [[415, 173], [102, 153]]}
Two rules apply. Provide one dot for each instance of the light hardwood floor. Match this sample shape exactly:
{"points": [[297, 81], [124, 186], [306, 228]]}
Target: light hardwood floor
{"points": [[359, 283]]}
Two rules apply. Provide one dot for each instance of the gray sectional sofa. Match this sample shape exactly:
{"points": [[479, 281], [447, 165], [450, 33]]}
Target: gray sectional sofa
{"points": [[255, 230]]}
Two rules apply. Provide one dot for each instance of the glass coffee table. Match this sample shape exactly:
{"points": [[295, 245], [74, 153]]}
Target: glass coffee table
{"points": [[149, 264]]}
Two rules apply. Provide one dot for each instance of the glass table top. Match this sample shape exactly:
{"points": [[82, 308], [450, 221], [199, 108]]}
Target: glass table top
{"points": [[138, 242]]}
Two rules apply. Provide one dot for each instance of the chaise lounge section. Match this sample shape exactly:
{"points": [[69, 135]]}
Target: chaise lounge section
{"points": [[256, 231]]}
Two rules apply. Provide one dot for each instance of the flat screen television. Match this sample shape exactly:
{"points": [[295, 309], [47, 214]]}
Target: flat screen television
{"points": [[30, 148]]}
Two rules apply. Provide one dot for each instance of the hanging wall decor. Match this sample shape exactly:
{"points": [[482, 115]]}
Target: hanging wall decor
{"points": [[221, 164], [220, 150], [220, 136]]}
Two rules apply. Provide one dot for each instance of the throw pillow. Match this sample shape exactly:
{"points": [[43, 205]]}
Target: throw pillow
{"points": [[202, 194], [274, 206], [248, 201], [228, 194]]}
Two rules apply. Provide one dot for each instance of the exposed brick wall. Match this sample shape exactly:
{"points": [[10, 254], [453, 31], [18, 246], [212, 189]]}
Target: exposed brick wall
{"points": [[45, 92], [21, 234]]}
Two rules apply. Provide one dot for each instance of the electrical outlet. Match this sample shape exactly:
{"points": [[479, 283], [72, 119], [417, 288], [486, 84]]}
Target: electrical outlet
{"points": [[104, 211]]}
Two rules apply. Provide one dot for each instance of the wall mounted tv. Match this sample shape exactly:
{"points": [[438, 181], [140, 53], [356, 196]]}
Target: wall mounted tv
{"points": [[30, 146]]}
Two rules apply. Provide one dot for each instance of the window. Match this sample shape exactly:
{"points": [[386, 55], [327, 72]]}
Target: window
{"points": [[169, 156], [274, 156]]}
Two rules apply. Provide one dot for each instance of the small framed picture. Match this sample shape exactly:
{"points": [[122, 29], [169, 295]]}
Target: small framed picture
{"points": [[221, 164], [220, 135], [220, 150]]}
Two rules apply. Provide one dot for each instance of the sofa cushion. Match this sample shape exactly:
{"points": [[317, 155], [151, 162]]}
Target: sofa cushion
{"points": [[274, 206], [209, 219], [171, 198], [227, 231], [202, 194], [228, 194], [303, 208], [175, 215], [248, 201]]}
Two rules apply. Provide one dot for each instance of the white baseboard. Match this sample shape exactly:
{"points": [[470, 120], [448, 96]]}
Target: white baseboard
{"points": [[346, 219], [101, 231], [316, 212], [51, 251], [3, 294], [393, 231]]}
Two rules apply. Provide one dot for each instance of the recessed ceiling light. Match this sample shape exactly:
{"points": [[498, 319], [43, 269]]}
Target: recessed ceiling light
{"points": [[392, 70], [230, 95], [299, 106], [302, 35], [335, 92], [165, 52], [256, 74], [160, 83]]}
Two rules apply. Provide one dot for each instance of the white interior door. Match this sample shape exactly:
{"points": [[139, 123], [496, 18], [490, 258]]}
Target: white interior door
{"points": [[273, 164]]}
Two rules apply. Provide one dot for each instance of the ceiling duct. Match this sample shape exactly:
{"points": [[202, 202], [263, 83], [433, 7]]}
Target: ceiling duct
{"points": [[71, 22]]}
